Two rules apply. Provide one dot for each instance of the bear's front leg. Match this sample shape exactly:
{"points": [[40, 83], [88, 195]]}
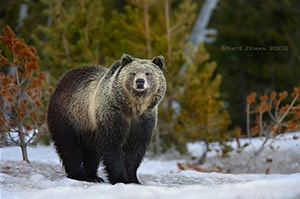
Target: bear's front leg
{"points": [[112, 130], [114, 162], [135, 147], [133, 158]]}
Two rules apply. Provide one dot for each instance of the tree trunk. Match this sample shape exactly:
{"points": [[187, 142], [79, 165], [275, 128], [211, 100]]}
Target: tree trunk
{"points": [[23, 146], [147, 34], [24, 152], [203, 157], [157, 146], [200, 30], [168, 29]]}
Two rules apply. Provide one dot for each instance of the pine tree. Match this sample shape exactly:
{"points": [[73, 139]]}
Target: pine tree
{"points": [[73, 36], [23, 93], [201, 115]]}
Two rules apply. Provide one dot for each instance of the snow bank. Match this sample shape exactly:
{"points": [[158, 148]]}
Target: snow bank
{"points": [[44, 178], [256, 189]]}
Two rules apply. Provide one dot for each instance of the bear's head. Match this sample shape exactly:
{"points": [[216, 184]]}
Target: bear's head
{"points": [[141, 81]]}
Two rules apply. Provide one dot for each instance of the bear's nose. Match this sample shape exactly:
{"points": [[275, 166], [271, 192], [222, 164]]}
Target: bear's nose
{"points": [[140, 82]]}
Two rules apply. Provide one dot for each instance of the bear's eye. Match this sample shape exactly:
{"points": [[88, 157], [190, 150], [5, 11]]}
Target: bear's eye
{"points": [[147, 74], [133, 74]]}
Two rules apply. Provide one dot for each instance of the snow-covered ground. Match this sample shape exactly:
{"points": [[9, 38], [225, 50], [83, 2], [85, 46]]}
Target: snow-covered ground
{"points": [[282, 157], [44, 179]]}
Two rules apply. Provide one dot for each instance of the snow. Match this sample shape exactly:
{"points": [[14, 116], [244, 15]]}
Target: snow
{"points": [[44, 178], [283, 157], [283, 142], [258, 189]]}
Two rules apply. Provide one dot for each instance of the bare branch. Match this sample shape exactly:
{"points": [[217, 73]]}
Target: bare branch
{"points": [[289, 109], [12, 139], [33, 135], [248, 125]]}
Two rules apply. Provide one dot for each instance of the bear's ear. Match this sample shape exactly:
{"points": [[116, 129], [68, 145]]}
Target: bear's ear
{"points": [[159, 61], [126, 59]]}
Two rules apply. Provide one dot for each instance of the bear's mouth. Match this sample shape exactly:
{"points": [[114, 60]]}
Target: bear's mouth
{"points": [[139, 92], [140, 88]]}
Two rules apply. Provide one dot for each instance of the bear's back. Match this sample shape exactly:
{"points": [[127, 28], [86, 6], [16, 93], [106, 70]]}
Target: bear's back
{"points": [[80, 77], [70, 99]]}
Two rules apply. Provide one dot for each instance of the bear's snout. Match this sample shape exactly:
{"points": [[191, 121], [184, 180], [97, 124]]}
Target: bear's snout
{"points": [[140, 82]]}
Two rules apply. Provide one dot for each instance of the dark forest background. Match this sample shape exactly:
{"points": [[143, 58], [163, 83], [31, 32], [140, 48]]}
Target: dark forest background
{"points": [[247, 46]]}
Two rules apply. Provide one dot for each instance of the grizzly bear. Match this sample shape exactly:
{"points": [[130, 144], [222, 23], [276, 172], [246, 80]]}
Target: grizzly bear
{"points": [[106, 115]]}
